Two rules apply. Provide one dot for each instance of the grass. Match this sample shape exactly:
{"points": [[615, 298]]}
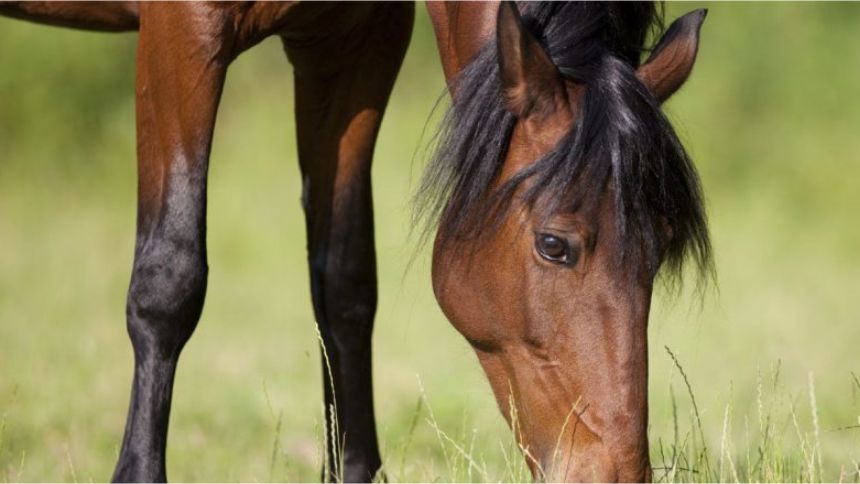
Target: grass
{"points": [[781, 442], [769, 115]]}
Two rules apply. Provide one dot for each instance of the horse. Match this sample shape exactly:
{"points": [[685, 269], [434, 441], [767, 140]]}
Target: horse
{"points": [[557, 191]]}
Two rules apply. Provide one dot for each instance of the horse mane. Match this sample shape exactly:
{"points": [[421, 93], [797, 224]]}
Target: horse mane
{"points": [[620, 136]]}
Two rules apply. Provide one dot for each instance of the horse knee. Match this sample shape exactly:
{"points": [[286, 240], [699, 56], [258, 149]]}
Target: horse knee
{"points": [[166, 295], [350, 306]]}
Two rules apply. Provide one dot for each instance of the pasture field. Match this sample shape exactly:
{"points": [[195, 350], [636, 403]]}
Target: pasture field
{"points": [[770, 353]]}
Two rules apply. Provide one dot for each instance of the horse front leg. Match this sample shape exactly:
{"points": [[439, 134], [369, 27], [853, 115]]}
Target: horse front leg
{"points": [[103, 16], [341, 95], [183, 53]]}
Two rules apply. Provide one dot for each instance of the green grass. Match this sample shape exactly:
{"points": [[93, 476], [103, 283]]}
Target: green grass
{"points": [[770, 116]]}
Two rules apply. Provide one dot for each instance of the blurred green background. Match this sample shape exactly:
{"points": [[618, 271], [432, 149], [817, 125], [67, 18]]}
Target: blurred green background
{"points": [[771, 116]]}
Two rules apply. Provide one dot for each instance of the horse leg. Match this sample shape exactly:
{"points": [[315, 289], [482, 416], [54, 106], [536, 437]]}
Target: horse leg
{"points": [[183, 53], [104, 16], [339, 107]]}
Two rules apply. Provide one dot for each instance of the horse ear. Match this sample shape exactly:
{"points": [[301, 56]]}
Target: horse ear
{"points": [[531, 83], [672, 60]]}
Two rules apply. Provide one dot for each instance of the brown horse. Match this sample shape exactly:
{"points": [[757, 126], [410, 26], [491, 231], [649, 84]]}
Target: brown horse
{"points": [[558, 185]]}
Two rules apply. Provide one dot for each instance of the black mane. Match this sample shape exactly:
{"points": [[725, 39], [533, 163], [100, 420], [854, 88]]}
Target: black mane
{"points": [[620, 136]]}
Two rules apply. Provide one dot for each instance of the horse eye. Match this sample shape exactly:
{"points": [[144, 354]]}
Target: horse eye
{"points": [[553, 248]]}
